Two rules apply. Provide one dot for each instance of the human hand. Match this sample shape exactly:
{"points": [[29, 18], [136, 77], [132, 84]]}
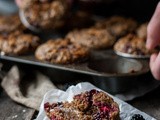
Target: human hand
{"points": [[153, 40]]}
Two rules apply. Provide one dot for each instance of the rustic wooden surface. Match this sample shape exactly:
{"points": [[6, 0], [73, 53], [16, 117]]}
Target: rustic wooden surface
{"points": [[13, 111]]}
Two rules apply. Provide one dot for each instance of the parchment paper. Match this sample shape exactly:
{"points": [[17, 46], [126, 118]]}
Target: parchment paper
{"points": [[55, 95]]}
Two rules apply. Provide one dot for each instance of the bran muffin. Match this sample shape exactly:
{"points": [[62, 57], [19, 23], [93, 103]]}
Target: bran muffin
{"points": [[133, 45], [117, 25], [89, 105], [46, 14], [92, 38], [61, 51], [17, 43]]}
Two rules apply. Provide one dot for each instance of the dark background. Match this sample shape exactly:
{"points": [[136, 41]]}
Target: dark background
{"points": [[141, 10]]}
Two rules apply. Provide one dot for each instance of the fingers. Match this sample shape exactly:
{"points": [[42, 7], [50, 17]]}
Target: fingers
{"points": [[153, 30], [155, 65]]}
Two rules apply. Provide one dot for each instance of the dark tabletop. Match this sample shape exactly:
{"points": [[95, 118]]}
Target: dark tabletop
{"points": [[150, 103]]}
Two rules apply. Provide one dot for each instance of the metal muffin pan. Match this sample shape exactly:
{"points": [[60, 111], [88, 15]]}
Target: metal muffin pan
{"points": [[104, 69], [132, 56]]}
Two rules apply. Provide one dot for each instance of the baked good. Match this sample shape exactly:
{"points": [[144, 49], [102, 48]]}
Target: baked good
{"points": [[17, 43], [92, 38], [90, 105], [10, 23], [117, 25], [133, 45], [46, 14], [142, 31], [61, 51]]}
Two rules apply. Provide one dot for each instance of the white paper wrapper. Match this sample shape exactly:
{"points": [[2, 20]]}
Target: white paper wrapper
{"points": [[55, 95]]}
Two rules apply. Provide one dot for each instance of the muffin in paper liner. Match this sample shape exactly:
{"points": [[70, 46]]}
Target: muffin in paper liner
{"points": [[55, 95]]}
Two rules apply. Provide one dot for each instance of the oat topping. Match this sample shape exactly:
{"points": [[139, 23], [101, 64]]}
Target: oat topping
{"points": [[92, 38], [132, 44], [61, 51], [46, 14], [117, 25], [17, 43]]}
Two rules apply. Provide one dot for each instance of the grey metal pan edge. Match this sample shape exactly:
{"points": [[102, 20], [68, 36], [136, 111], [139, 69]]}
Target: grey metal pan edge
{"points": [[79, 68], [131, 56]]}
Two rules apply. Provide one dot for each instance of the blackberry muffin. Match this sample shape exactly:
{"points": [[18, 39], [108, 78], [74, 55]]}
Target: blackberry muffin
{"points": [[133, 46], [45, 14], [117, 25], [18, 43], [90, 105], [92, 38], [10, 23], [142, 30], [61, 51]]}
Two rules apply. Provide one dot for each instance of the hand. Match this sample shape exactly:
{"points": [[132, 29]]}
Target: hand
{"points": [[153, 40]]}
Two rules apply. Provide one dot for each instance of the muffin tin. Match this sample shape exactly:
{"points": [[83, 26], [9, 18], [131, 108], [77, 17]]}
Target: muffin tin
{"points": [[132, 56], [104, 69]]}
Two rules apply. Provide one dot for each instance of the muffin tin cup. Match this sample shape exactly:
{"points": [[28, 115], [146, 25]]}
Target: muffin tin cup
{"points": [[26, 23], [132, 56]]}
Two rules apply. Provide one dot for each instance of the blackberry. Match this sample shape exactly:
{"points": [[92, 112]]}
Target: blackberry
{"points": [[137, 117]]}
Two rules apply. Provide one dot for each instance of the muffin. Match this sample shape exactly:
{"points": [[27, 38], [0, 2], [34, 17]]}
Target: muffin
{"points": [[117, 25], [92, 38], [17, 43], [45, 14], [133, 46], [61, 51], [90, 105]]}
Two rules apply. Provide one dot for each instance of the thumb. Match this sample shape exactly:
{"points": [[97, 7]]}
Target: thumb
{"points": [[155, 65], [153, 29]]}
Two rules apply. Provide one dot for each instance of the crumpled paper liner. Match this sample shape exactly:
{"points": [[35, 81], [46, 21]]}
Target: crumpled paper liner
{"points": [[33, 91], [55, 95]]}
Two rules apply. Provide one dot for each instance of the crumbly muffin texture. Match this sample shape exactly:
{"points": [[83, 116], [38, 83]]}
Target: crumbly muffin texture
{"points": [[90, 105], [46, 14], [17, 43], [132, 44], [117, 25], [92, 38], [61, 51]]}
